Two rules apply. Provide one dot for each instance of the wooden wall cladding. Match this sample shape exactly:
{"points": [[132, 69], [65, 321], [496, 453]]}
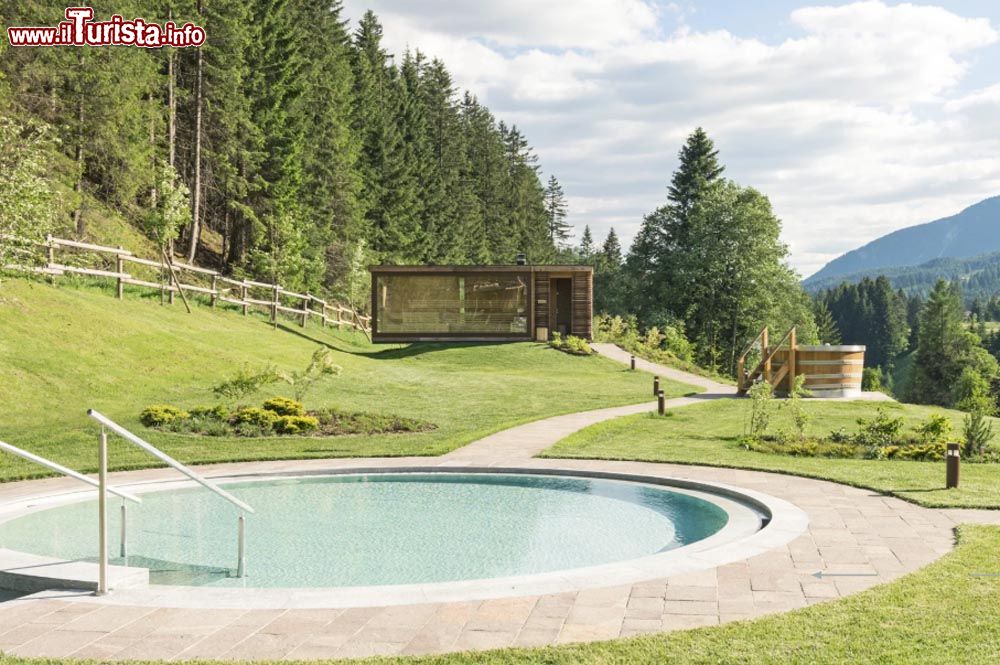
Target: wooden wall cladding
{"points": [[541, 300], [583, 304]]}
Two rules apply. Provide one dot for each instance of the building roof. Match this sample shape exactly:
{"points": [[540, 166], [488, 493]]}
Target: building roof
{"points": [[470, 269]]}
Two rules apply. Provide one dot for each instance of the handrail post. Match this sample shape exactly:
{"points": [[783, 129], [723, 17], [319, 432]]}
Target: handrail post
{"points": [[102, 507], [241, 564], [766, 352], [123, 552], [791, 360]]}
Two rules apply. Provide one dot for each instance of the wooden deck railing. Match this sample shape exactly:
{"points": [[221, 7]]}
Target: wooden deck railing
{"points": [[219, 287], [762, 370]]}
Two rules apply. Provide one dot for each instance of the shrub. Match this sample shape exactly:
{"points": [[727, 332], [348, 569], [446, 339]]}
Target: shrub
{"points": [[935, 429], [161, 415], [217, 412], [881, 430], [977, 433], [250, 419], [871, 379], [578, 346], [292, 424], [320, 367], [245, 382], [556, 340], [284, 406], [794, 404], [972, 393], [761, 404]]}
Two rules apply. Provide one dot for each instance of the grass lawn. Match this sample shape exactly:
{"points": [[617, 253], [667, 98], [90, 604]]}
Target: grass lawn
{"points": [[67, 348], [707, 434]]}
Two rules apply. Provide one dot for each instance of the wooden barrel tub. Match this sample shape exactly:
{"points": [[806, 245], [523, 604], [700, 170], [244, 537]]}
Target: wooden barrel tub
{"points": [[830, 371]]}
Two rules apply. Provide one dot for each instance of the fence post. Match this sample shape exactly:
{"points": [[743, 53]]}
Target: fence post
{"points": [[305, 309], [51, 249], [274, 306], [120, 268], [215, 289], [243, 297]]}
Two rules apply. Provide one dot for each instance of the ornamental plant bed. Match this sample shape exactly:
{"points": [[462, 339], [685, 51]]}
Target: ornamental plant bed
{"points": [[575, 346], [878, 438], [277, 416]]}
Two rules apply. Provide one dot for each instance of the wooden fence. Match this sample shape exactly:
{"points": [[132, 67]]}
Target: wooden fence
{"points": [[244, 293]]}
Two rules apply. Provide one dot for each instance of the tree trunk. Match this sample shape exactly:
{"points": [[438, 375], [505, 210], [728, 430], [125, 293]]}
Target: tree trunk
{"points": [[196, 194], [171, 106], [171, 120], [78, 186]]}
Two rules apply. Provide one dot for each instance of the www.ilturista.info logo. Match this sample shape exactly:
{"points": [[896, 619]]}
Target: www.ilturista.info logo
{"points": [[80, 30]]}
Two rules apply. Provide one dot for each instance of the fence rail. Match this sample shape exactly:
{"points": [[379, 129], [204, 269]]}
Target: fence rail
{"points": [[238, 292]]}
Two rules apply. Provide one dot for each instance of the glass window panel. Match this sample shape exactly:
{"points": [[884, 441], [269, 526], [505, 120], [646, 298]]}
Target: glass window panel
{"points": [[453, 304]]}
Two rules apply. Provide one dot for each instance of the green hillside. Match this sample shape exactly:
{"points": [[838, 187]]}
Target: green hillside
{"points": [[66, 348], [979, 276]]}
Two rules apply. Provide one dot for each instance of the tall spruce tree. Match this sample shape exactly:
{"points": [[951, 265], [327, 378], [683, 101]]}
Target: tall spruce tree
{"points": [[946, 350], [555, 211], [586, 244]]}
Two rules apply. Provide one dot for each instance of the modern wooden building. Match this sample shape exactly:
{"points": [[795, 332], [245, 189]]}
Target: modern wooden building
{"points": [[480, 303]]}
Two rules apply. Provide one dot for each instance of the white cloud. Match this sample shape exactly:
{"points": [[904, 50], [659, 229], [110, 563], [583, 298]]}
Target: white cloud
{"points": [[852, 124]]}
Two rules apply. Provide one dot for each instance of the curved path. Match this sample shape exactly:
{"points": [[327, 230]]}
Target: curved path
{"points": [[850, 530]]}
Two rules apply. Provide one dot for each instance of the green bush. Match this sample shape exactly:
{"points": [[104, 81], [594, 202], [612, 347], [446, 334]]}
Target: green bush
{"points": [[977, 433], [217, 412], [284, 406], [935, 429], [880, 430], [250, 419], [577, 345], [160, 415], [871, 379], [295, 424]]}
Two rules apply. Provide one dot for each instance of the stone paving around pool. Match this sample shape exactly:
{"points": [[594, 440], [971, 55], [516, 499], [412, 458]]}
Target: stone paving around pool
{"points": [[850, 531]]}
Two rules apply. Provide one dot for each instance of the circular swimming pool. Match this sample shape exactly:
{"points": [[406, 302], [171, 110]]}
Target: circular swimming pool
{"points": [[384, 529]]}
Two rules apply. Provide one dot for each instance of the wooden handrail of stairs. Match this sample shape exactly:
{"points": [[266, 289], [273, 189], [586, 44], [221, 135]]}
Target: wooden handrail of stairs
{"points": [[744, 380]]}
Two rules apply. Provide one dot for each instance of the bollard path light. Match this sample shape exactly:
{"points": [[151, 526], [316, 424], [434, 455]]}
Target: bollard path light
{"points": [[632, 361], [952, 460], [661, 403], [656, 386]]}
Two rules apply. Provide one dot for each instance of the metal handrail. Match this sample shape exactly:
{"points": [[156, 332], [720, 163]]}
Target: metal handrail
{"points": [[102, 454], [163, 457], [59, 468]]}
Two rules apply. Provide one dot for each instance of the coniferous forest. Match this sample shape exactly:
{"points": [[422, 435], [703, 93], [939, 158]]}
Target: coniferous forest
{"points": [[291, 145]]}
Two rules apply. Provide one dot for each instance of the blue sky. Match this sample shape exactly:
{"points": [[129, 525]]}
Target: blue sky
{"points": [[856, 118]]}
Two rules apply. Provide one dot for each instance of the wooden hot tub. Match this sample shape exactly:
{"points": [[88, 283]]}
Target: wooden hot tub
{"points": [[830, 371]]}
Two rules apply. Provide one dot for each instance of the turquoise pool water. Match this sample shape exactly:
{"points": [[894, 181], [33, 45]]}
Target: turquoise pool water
{"points": [[380, 529]]}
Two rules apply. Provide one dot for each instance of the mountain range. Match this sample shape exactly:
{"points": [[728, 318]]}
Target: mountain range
{"points": [[917, 254]]}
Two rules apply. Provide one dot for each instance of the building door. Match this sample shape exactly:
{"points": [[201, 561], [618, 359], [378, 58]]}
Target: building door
{"points": [[561, 299]]}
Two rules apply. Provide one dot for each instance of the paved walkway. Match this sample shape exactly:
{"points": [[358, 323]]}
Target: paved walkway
{"points": [[850, 531]]}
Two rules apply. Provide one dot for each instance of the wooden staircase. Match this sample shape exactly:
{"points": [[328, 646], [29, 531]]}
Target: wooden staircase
{"points": [[764, 371]]}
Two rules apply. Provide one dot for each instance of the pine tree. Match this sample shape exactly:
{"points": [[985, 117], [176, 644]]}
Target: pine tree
{"points": [[555, 212], [653, 259], [946, 350], [586, 244], [699, 168], [826, 327], [612, 249]]}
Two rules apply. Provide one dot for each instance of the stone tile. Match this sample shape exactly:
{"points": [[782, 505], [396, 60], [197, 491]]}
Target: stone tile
{"points": [[690, 607]]}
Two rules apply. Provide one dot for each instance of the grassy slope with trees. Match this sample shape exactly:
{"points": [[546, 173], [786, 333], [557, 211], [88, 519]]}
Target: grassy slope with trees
{"points": [[708, 434], [293, 138], [65, 349]]}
